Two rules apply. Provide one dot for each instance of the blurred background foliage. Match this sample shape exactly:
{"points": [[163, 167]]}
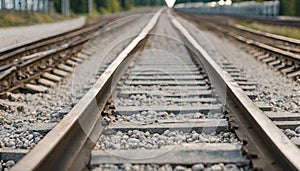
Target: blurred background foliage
{"points": [[107, 6], [288, 7]]}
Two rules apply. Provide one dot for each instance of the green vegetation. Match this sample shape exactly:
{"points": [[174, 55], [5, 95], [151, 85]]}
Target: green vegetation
{"points": [[284, 31], [79, 7], [107, 6], [287, 7], [20, 19], [290, 7]]}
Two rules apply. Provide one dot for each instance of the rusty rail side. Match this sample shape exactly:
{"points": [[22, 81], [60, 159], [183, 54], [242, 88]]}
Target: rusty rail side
{"points": [[68, 145]]}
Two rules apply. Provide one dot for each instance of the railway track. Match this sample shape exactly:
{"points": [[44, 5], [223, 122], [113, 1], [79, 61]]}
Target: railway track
{"points": [[271, 20], [280, 52], [286, 119], [164, 103], [38, 65]]}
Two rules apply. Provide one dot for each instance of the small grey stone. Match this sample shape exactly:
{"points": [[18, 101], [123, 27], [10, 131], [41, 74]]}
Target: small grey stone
{"points": [[109, 145], [129, 132], [148, 146], [189, 140], [161, 137], [37, 139], [125, 137], [119, 133], [162, 168], [137, 167], [127, 166], [213, 139], [142, 138], [30, 136], [147, 134], [136, 132], [290, 133], [64, 111], [20, 130], [197, 167], [195, 136], [168, 167], [232, 167], [172, 134], [179, 168], [226, 135], [167, 132], [133, 140], [36, 134], [7, 121], [297, 130], [216, 167], [10, 144], [202, 139], [10, 163]]}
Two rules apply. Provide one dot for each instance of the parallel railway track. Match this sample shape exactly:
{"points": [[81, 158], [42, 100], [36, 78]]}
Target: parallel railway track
{"points": [[271, 20], [285, 119], [280, 52], [37, 65], [164, 86]]}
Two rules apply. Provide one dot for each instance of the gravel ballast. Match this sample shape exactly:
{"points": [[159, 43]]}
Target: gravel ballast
{"points": [[134, 139], [19, 112], [167, 167], [165, 46], [274, 89]]}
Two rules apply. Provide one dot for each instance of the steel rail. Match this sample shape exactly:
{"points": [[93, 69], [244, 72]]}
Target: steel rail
{"points": [[68, 145], [11, 52], [25, 60], [262, 19], [269, 20], [281, 53], [286, 153], [34, 59], [270, 35], [289, 55], [8, 54]]}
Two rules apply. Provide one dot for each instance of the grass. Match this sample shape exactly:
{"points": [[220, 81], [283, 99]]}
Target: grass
{"points": [[96, 14], [12, 19], [139, 8], [284, 31]]}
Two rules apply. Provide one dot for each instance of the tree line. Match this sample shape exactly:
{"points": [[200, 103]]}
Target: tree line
{"points": [[106, 6], [287, 7]]}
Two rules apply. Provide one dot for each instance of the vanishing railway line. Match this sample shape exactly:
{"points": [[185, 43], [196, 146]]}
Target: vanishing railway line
{"points": [[163, 100], [285, 120], [280, 52]]}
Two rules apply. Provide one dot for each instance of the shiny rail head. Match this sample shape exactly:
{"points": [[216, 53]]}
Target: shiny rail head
{"points": [[288, 152], [78, 125]]}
